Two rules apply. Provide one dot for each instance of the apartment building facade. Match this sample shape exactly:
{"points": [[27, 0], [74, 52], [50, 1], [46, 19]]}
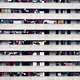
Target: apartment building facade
{"points": [[39, 39]]}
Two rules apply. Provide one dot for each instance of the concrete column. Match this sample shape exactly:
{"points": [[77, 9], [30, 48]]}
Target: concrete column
{"points": [[41, 63], [41, 53]]}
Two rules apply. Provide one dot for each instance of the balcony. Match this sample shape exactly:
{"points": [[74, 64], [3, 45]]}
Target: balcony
{"points": [[39, 27], [40, 78], [38, 16], [41, 5], [40, 58], [39, 37], [39, 69]]}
